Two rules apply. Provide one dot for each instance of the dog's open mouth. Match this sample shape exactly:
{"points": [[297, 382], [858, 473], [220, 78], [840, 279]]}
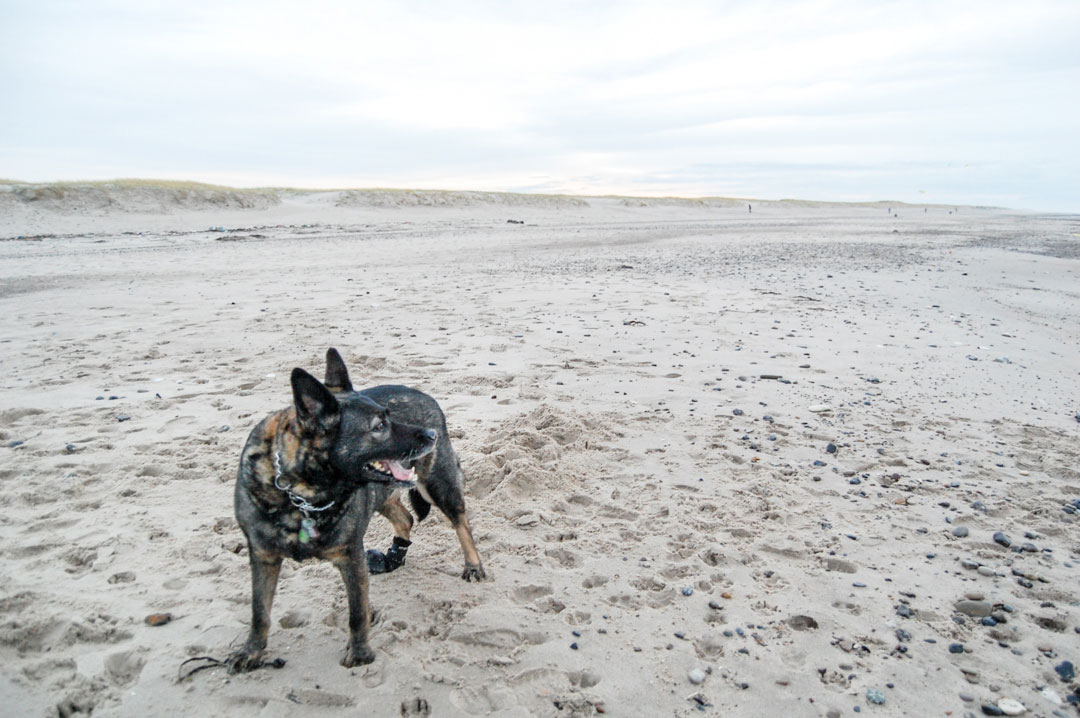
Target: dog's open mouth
{"points": [[392, 471]]}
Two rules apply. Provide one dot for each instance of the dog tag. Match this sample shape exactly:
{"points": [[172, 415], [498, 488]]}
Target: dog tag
{"points": [[307, 530]]}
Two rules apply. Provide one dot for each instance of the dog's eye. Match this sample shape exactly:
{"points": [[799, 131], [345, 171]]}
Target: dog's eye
{"points": [[381, 426]]}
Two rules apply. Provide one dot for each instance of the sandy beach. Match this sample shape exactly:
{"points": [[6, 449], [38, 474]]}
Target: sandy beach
{"points": [[718, 462]]}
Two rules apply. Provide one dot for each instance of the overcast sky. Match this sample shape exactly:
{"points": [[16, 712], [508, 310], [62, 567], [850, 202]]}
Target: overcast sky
{"points": [[952, 102]]}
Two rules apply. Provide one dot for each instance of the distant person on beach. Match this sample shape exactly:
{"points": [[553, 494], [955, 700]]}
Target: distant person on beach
{"points": [[749, 209]]}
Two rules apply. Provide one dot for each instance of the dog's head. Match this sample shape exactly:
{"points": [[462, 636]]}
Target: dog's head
{"points": [[360, 439]]}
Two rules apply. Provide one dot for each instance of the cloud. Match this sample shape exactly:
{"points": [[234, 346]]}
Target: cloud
{"points": [[598, 97]]}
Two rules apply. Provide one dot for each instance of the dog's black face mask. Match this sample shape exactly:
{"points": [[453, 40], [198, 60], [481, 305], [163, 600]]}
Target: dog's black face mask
{"points": [[356, 435], [385, 450]]}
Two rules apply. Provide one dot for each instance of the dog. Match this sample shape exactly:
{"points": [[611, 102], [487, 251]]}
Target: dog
{"points": [[312, 475], [438, 476], [310, 478]]}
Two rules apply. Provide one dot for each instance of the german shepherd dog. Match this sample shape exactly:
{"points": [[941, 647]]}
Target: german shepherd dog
{"points": [[312, 475]]}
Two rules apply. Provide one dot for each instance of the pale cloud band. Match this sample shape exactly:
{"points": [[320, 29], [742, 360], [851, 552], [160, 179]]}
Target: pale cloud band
{"points": [[952, 102]]}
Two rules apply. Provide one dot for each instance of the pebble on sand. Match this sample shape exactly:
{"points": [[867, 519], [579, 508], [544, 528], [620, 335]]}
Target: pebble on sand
{"points": [[875, 696], [158, 619], [1011, 707], [960, 531], [975, 609], [1066, 671]]}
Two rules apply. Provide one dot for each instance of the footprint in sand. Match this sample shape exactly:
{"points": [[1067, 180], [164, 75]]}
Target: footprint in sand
{"points": [[415, 708], [565, 558], [482, 700], [528, 594]]}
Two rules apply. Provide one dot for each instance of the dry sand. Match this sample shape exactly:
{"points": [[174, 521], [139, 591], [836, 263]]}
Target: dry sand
{"points": [[604, 369]]}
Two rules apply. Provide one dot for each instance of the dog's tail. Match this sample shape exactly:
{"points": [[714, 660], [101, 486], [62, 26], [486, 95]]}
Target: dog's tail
{"points": [[419, 504]]}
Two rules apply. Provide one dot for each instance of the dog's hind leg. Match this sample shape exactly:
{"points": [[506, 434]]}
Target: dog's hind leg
{"points": [[402, 521], [445, 492], [473, 569], [264, 578]]}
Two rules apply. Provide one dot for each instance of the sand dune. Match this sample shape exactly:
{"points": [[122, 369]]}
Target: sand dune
{"points": [[717, 461]]}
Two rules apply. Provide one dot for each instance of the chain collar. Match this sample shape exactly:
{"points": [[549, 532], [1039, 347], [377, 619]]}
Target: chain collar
{"points": [[298, 501]]}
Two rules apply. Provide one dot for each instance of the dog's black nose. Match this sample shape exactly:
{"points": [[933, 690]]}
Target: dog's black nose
{"points": [[430, 434]]}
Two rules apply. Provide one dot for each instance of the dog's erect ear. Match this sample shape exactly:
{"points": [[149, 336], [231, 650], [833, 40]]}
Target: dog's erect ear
{"points": [[337, 376], [316, 407]]}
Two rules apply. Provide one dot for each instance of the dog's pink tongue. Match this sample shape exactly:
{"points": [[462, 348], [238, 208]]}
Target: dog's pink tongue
{"points": [[400, 472]]}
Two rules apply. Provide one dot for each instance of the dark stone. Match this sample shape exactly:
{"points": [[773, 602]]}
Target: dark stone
{"points": [[1001, 538], [1066, 671], [956, 648]]}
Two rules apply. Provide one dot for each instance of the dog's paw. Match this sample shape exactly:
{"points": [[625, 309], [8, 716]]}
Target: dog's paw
{"points": [[376, 561], [379, 562], [358, 657], [473, 572], [243, 661]]}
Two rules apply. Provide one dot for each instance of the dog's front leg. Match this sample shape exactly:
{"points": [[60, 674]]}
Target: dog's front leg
{"points": [[264, 577], [353, 568]]}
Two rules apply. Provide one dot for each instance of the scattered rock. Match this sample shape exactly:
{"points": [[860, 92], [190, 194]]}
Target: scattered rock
{"points": [[1001, 538], [1066, 671], [960, 531], [696, 676], [875, 696], [158, 619], [1011, 707], [975, 609]]}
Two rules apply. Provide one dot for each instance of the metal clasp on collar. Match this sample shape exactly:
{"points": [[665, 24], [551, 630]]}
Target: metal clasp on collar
{"points": [[307, 524]]}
